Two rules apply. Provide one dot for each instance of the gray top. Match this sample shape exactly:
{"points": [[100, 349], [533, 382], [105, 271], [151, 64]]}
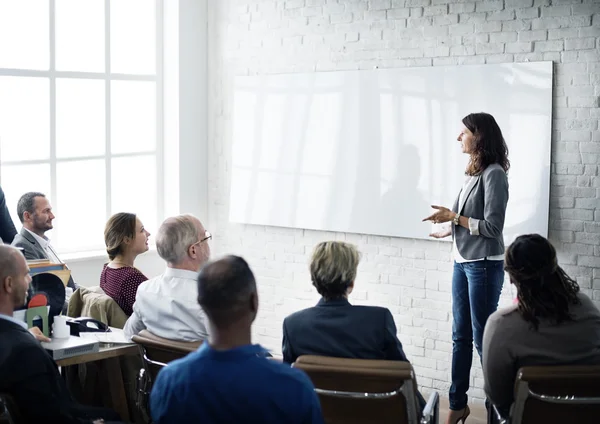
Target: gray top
{"points": [[510, 343], [484, 201]]}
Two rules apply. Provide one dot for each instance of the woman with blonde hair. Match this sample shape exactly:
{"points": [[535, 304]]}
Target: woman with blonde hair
{"points": [[334, 327], [125, 238]]}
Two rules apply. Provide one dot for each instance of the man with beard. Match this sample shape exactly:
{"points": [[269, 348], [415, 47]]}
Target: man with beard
{"points": [[35, 213]]}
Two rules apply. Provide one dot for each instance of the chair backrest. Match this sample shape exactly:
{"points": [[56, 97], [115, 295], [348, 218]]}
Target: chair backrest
{"points": [[9, 413], [158, 352], [357, 391], [557, 394]]}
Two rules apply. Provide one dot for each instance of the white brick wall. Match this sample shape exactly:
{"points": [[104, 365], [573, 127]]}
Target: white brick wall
{"points": [[411, 277]]}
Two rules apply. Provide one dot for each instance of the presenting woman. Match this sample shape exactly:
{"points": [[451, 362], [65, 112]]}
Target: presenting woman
{"points": [[477, 221]]}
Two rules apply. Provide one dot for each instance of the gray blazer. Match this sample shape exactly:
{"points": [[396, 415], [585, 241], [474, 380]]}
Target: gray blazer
{"points": [[485, 200], [32, 250]]}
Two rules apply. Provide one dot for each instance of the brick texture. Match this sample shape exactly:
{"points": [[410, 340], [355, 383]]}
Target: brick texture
{"points": [[410, 277]]}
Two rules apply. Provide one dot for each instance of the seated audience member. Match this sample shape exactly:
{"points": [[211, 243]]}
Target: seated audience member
{"points": [[35, 213], [125, 238], [166, 305], [228, 379], [553, 323], [27, 372], [7, 227], [335, 327]]}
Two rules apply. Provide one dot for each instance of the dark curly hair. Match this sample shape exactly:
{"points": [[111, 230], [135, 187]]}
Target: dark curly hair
{"points": [[489, 146], [544, 290]]}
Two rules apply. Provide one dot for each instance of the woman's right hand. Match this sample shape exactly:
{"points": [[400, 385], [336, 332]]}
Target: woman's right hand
{"points": [[441, 234]]}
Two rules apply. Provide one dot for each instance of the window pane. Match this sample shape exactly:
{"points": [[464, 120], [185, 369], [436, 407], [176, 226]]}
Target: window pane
{"points": [[133, 116], [80, 123], [132, 36], [80, 206], [24, 34], [138, 198], [24, 118], [19, 179], [80, 35]]}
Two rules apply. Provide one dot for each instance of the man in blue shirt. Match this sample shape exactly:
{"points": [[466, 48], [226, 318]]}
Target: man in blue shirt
{"points": [[229, 380]]}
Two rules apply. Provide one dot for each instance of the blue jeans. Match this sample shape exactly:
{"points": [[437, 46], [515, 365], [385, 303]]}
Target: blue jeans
{"points": [[476, 288]]}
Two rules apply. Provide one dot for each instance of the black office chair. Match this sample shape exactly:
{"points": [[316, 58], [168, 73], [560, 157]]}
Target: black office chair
{"points": [[54, 289]]}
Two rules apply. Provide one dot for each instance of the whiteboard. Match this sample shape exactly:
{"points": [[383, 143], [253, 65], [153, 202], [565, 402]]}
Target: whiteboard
{"points": [[369, 151]]}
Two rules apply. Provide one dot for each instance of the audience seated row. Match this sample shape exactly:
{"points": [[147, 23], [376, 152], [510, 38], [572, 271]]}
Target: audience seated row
{"points": [[228, 378]]}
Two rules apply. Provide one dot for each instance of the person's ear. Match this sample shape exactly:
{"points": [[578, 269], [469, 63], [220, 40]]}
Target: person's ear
{"points": [[192, 252], [8, 284], [350, 288], [254, 303]]}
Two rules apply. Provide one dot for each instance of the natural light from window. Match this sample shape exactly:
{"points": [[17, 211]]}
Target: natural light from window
{"points": [[80, 112]]}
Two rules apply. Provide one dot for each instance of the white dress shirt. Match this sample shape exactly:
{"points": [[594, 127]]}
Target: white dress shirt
{"points": [[45, 243], [13, 319], [167, 307]]}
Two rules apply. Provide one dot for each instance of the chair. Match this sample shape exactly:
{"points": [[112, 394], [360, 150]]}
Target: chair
{"points": [[556, 394], [9, 413], [358, 391], [156, 353]]}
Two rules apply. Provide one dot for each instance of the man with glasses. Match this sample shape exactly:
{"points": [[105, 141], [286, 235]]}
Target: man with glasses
{"points": [[167, 305]]}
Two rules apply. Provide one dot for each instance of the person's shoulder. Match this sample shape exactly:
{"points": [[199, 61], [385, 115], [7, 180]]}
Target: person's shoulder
{"points": [[504, 317], [495, 169], [291, 376], [299, 315]]}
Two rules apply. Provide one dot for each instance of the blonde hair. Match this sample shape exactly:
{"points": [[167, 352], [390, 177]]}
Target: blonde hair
{"points": [[333, 268]]}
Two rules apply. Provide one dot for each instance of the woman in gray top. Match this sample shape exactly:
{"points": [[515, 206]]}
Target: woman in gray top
{"points": [[477, 224], [552, 323]]}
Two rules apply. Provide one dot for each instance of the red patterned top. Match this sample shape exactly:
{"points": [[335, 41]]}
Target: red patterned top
{"points": [[121, 284]]}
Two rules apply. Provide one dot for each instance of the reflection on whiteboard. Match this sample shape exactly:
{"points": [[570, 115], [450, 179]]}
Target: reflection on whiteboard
{"points": [[369, 151]]}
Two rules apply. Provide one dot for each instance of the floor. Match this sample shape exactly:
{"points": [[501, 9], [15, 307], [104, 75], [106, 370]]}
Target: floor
{"points": [[478, 413]]}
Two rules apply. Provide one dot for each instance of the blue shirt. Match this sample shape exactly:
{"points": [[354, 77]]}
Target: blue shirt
{"points": [[233, 386]]}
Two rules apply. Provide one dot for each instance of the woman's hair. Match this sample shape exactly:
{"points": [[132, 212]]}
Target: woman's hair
{"points": [[544, 290], [119, 226], [488, 146], [333, 268]]}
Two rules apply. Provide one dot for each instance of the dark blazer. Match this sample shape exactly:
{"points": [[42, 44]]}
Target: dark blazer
{"points": [[32, 250], [31, 377], [7, 228], [337, 328], [485, 200]]}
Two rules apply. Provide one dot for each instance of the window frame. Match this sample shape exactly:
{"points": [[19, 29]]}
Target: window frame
{"points": [[107, 76]]}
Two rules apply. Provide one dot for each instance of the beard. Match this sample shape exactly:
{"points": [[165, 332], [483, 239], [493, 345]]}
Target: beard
{"points": [[20, 298]]}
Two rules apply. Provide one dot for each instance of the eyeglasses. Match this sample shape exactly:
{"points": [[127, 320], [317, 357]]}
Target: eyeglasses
{"points": [[207, 236]]}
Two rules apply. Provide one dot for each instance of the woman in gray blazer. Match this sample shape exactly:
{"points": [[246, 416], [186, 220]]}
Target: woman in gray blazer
{"points": [[477, 222]]}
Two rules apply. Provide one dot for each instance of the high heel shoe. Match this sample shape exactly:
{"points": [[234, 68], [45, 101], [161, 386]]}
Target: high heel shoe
{"points": [[463, 417]]}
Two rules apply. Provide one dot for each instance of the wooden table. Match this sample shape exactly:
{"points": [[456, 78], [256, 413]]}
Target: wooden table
{"points": [[108, 361]]}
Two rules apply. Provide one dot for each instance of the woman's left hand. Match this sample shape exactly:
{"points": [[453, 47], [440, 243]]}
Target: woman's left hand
{"points": [[442, 215]]}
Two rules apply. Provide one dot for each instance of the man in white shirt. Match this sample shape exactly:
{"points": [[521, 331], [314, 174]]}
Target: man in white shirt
{"points": [[167, 305], [35, 213]]}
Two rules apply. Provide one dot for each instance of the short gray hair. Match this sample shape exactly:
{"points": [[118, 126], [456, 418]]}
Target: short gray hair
{"points": [[175, 236]]}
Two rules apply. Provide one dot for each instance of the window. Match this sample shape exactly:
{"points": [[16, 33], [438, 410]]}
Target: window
{"points": [[81, 112]]}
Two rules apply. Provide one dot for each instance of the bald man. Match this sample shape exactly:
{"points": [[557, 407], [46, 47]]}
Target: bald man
{"points": [[166, 305], [28, 373]]}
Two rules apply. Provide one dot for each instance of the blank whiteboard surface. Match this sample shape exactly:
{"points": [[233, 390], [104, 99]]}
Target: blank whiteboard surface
{"points": [[369, 151]]}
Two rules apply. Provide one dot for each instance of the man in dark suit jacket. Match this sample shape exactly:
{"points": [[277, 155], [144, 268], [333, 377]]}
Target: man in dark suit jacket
{"points": [[7, 228], [334, 327], [27, 372], [35, 213]]}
